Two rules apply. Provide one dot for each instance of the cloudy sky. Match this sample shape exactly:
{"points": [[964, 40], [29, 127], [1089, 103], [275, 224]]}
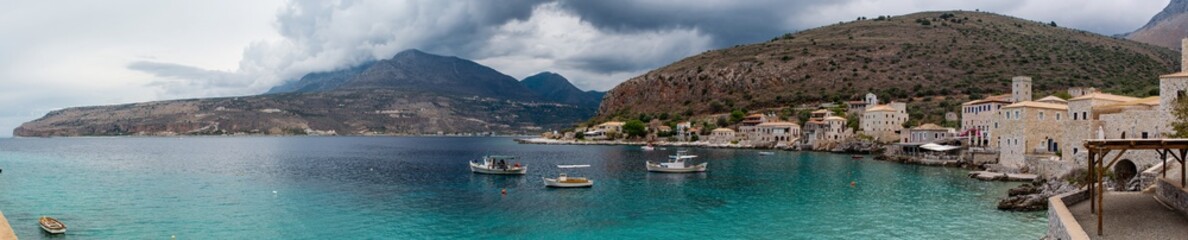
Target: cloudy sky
{"points": [[57, 54]]}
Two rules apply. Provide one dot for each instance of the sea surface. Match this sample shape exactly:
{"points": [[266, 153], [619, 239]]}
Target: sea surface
{"points": [[421, 188]]}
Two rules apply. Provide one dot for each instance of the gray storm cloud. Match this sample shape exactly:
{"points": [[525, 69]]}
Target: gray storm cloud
{"points": [[596, 43]]}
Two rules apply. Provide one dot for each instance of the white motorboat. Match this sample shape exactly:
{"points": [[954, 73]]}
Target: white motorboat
{"points": [[648, 147], [501, 165], [52, 225], [564, 181], [677, 164], [766, 153]]}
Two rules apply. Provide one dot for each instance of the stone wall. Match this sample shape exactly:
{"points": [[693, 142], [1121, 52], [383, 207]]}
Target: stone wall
{"points": [[1061, 223], [1046, 168], [1172, 194]]}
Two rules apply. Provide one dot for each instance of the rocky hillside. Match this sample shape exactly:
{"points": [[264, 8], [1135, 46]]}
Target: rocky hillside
{"points": [[1166, 28], [412, 93], [951, 56], [556, 88]]}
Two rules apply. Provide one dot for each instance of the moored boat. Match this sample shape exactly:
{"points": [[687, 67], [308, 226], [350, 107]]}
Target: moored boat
{"points": [[52, 225], [856, 156], [766, 153], [648, 147], [501, 165], [676, 164], [565, 181]]}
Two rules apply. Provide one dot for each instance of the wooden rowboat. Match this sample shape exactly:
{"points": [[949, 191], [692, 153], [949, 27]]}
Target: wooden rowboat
{"points": [[52, 225]]}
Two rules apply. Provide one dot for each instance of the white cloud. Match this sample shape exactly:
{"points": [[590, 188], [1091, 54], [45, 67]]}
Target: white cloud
{"points": [[556, 40]]}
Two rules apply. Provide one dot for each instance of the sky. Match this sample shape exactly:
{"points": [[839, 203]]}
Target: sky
{"points": [[59, 54]]}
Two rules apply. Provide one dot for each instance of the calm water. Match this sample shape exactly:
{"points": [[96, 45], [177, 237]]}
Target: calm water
{"points": [[420, 188]]}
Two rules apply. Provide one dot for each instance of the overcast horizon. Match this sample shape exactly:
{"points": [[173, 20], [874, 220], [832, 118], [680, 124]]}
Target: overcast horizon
{"points": [[83, 53]]}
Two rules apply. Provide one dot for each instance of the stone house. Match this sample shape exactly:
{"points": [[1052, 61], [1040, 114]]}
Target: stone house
{"points": [[884, 122], [978, 120], [929, 133], [979, 117], [776, 133], [1029, 128], [721, 136], [857, 108], [683, 132]]}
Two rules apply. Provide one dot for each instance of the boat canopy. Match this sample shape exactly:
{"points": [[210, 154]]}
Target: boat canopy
{"points": [[501, 157], [938, 147]]}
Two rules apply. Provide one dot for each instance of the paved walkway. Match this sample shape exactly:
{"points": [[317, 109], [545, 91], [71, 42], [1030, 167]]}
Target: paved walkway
{"points": [[1132, 215], [5, 229]]}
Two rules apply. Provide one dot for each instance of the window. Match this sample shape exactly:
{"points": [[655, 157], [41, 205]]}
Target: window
{"points": [[1144, 135], [1041, 115], [1057, 116], [1074, 116]]}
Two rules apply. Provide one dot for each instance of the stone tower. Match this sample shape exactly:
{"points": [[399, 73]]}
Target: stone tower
{"points": [[1021, 89], [871, 100], [1173, 86]]}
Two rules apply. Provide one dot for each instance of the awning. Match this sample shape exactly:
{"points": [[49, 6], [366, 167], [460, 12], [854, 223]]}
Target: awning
{"points": [[938, 147]]}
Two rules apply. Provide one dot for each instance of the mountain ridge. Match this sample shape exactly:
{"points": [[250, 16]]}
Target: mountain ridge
{"points": [[933, 60], [557, 88], [412, 93], [1166, 28]]}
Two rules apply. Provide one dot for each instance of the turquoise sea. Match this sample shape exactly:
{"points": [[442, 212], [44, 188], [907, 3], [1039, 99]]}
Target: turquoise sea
{"points": [[420, 188]]}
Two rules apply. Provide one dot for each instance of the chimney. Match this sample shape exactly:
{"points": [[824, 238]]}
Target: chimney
{"points": [[1183, 55]]}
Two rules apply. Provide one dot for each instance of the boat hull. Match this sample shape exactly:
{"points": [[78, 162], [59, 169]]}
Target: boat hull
{"points": [[52, 226], [479, 168], [552, 182], [653, 167]]}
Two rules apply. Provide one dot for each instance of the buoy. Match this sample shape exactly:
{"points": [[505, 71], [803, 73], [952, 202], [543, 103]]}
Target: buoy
{"points": [[273, 192], [853, 184], [503, 191]]}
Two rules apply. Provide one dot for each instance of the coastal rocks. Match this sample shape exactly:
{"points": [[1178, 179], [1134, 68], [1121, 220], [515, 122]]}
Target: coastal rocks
{"points": [[1033, 196], [855, 146]]}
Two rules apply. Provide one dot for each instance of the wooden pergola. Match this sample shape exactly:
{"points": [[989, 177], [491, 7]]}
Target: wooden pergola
{"points": [[1099, 148]]}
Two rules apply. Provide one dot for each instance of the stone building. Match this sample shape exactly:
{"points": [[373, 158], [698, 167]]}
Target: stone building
{"points": [[857, 108], [979, 117], [721, 136], [747, 130], [825, 133], [1084, 121], [1029, 129], [777, 134], [929, 133], [884, 122]]}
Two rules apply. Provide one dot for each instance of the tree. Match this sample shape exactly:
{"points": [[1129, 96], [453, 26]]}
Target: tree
{"points": [[737, 115], [1180, 112], [634, 128]]}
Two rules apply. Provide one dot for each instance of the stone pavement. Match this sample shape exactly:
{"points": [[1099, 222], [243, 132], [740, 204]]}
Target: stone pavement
{"points": [[1132, 215]]}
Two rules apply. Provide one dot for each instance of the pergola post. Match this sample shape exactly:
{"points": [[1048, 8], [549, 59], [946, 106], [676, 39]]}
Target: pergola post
{"points": [[1089, 179], [1183, 174], [1163, 157], [1100, 191]]}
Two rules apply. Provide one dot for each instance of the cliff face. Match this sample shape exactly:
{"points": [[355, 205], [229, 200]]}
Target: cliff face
{"points": [[1166, 28], [412, 93], [948, 55]]}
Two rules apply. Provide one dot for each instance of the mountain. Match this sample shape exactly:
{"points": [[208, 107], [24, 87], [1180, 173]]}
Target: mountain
{"points": [[412, 93], [417, 71], [933, 60], [554, 87], [1166, 28]]}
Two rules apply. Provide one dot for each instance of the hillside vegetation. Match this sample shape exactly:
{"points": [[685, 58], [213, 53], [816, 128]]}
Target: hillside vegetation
{"points": [[933, 60]]}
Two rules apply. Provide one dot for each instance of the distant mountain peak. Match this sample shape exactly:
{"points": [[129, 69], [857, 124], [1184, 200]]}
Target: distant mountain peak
{"points": [[554, 87], [1166, 28]]}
